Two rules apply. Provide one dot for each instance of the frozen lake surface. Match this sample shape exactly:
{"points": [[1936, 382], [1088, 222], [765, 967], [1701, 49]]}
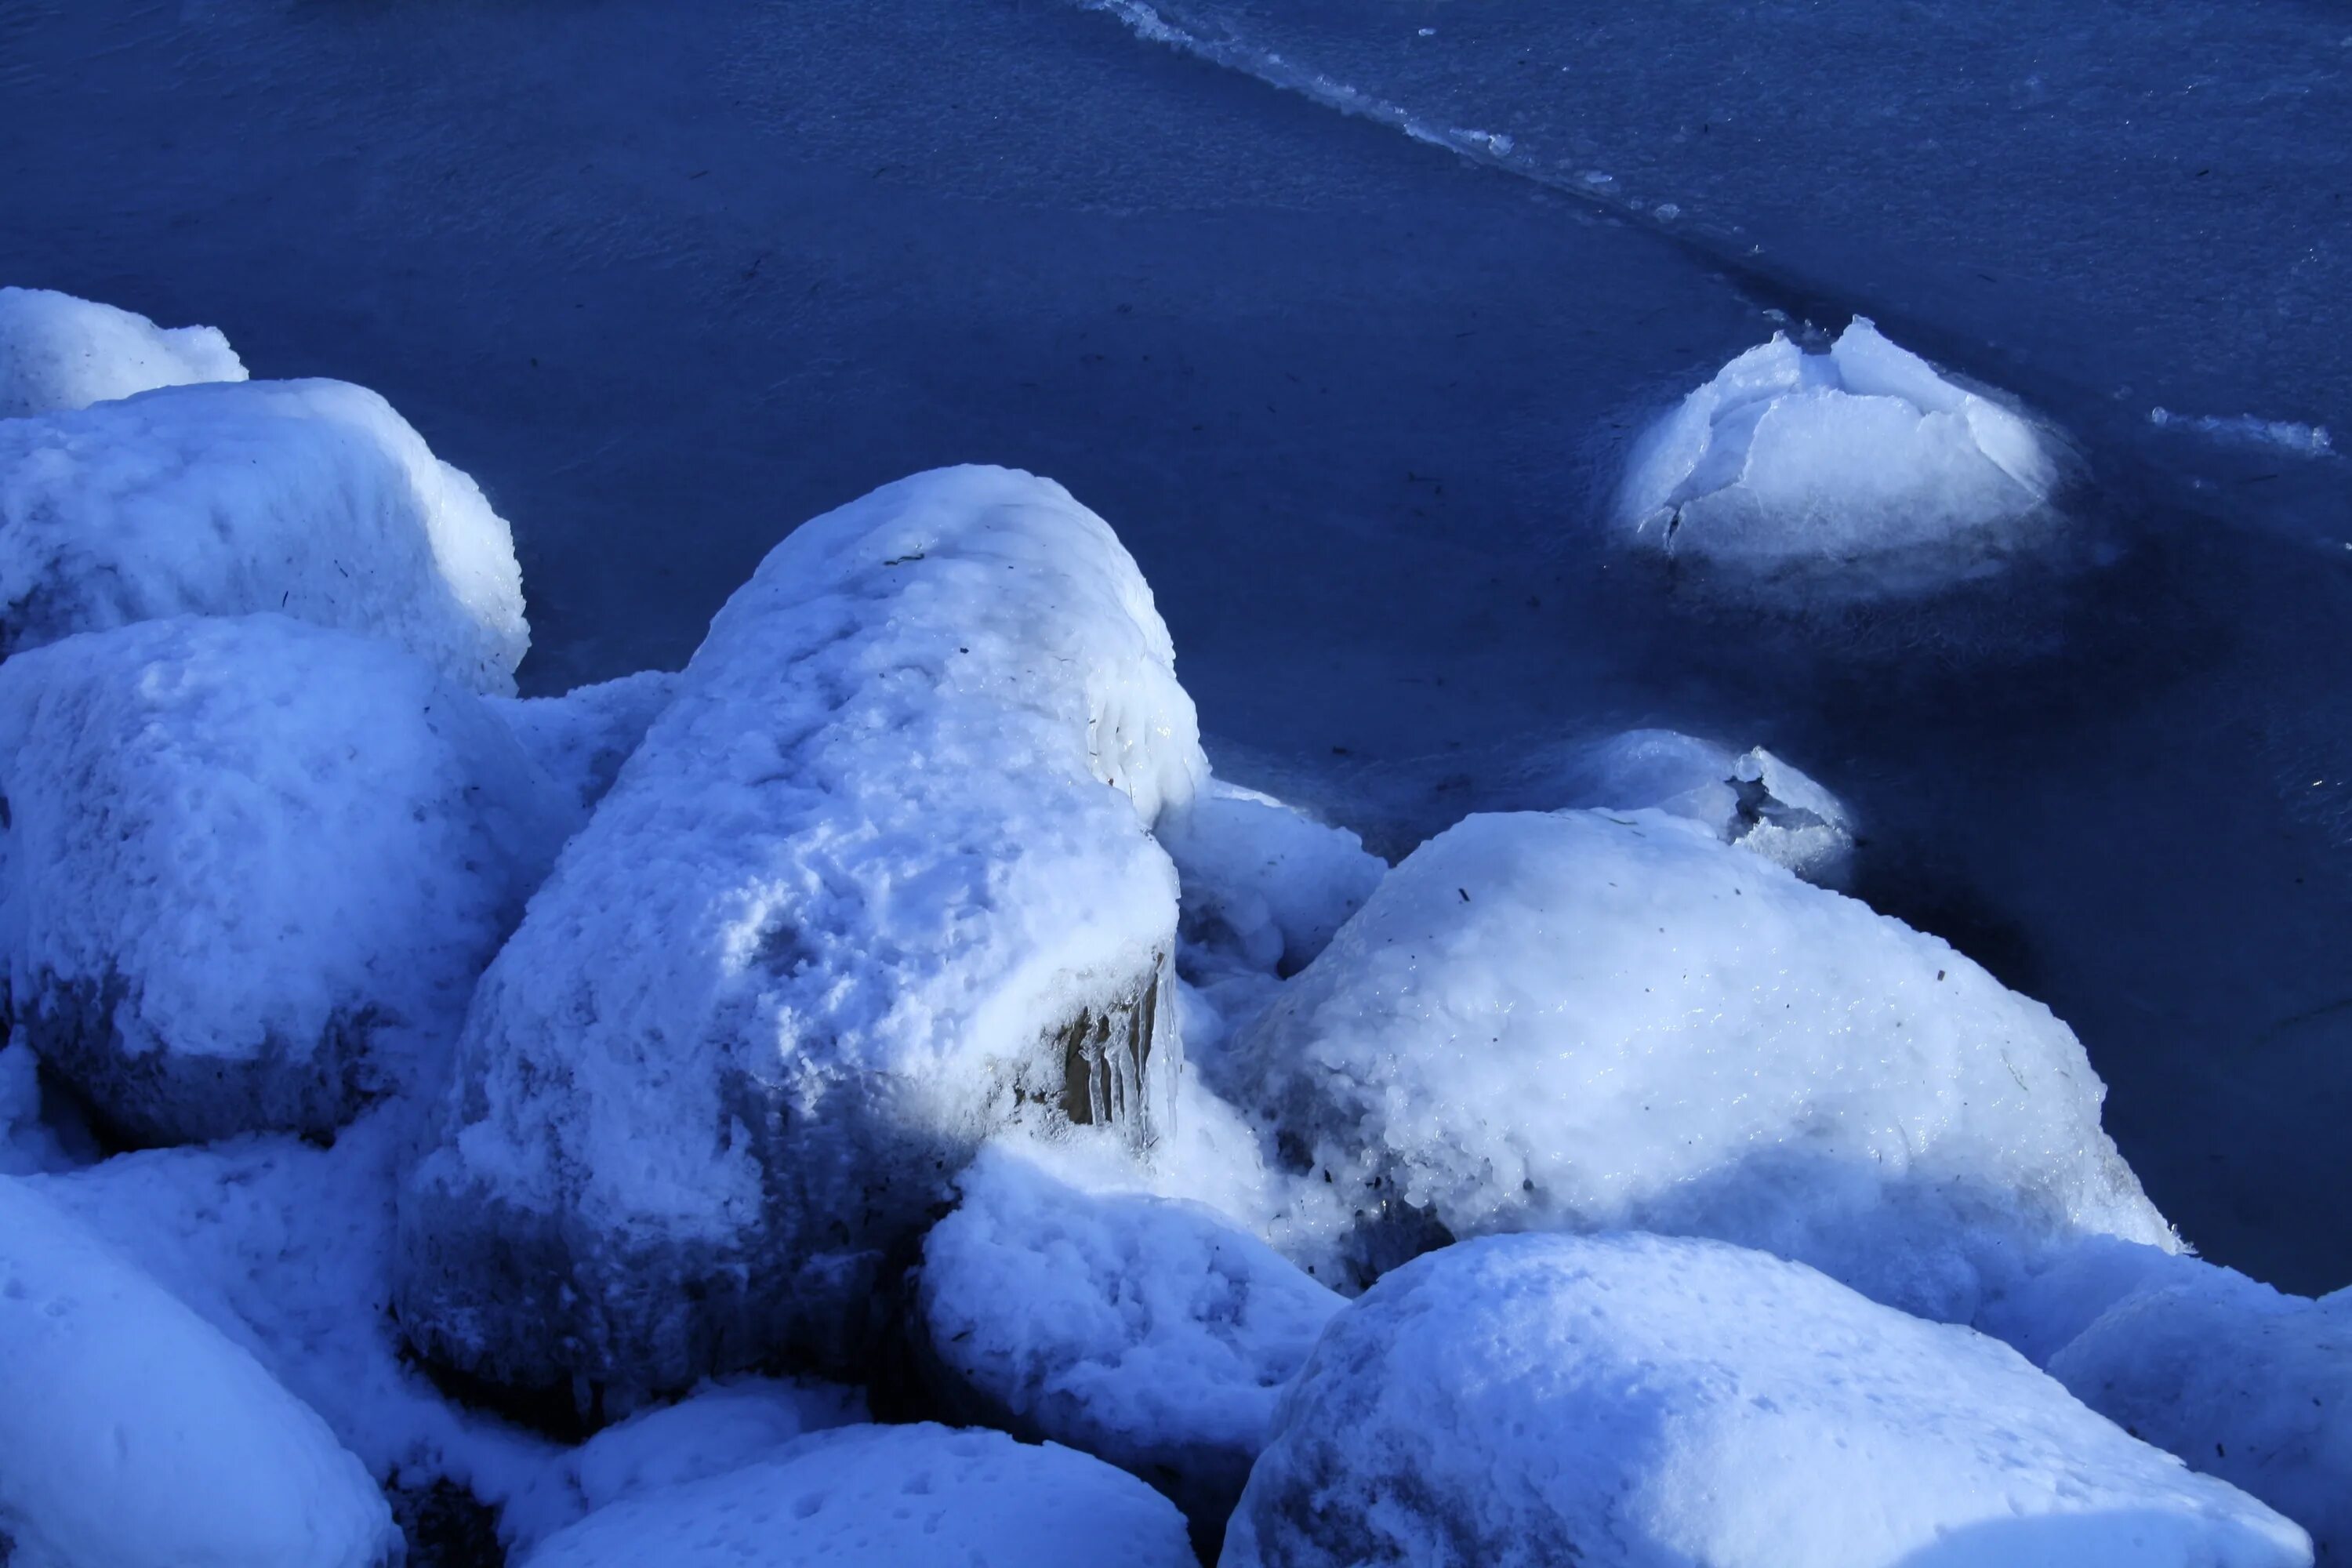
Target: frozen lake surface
{"points": [[668, 279]]}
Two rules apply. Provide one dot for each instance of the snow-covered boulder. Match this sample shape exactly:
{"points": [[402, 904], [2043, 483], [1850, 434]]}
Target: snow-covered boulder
{"points": [[889, 1497], [311, 498], [879, 881], [1855, 474], [1262, 881], [58, 352], [582, 737], [1639, 1402], [249, 869], [133, 1435], [1147, 1331], [2242, 1382], [1584, 1020]]}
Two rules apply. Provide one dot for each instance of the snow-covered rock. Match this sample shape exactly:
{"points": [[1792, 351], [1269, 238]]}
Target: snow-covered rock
{"points": [[889, 1497], [1584, 1020], [313, 498], [715, 1429], [133, 1435], [2242, 1382], [250, 868], [1262, 880], [1855, 474], [879, 881], [582, 737], [1151, 1333], [58, 352], [1639, 1402], [1752, 798]]}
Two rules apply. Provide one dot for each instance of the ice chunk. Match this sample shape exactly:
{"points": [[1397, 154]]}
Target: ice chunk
{"points": [[582, 737], [58, 353], [1752, 799], [1263, 881], [878, 882], [887, 1496], [308, 496], [1586, 1020], [132, 1432], [2240, 1380], [1634, 1400], [249, 869], [1152, 1333], [1855, 474]]}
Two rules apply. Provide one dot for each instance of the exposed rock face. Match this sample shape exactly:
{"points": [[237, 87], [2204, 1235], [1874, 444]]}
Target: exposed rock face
{"points": [[879, 881]]}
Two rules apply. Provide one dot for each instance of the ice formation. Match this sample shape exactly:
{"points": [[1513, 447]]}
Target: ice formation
{"points": [[133, 1433], [887, 1497], [58, 353], [582, 737], [250, 867], [311, 498], [1855, 474], [714, 1430], [1586, 1020], [1153, 1333], [879, 881], [1630, 1400]]}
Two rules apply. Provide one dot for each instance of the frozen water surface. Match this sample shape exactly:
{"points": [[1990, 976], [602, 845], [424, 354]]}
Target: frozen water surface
{"points": [[660, 276]]}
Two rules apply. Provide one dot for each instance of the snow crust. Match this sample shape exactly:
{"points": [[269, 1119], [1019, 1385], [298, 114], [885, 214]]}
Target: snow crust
{"points": [[1152, 1332], [1857, 473], [313, 498], [884, 1497], [718, 1429], [879, 881], [1626, 1400], [58, 353], [251, 867], [133, 1434], [582, 737], [1585, 1020], [1262, 880]]}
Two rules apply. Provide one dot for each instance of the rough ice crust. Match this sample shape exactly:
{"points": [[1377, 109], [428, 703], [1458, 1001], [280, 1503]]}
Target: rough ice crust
{"points": [[889, 1497], [1152, 1332], [1638, 1402], [583, 737], [250, 868], [1855, 474], [1586, 1020], [311, 498], [58, 353], [879, 881], [133, 1433], [1264, 883]]}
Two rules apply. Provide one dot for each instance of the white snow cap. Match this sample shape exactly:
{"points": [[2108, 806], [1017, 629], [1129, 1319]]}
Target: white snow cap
{"points": [[1148, 1332], [132, 1433], [311, 498], [249, 869], [890, 1497], [1263, 879], [58, 352], [879, 881], [1859, 473], [1584, 1020], [1638, 1402]]}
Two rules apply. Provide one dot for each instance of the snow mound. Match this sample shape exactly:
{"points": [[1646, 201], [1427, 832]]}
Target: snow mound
{"points": [[878, 882], [1589, 1021], [582, 737], [887, 1496], [249, 869], [1634, 1400], [58, 353], [313, 498], [1263, 880], [1752, 799], [1149, 1332], [722, 1428], [1855, 474], [133, 1434], [2240, 1380]]}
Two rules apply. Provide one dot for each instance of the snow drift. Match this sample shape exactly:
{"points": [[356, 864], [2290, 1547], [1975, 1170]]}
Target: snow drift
{"points": [[58, 353], [311, 498], [1855, 474], [249, 869], [1584, 1020], [879, 881]]}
